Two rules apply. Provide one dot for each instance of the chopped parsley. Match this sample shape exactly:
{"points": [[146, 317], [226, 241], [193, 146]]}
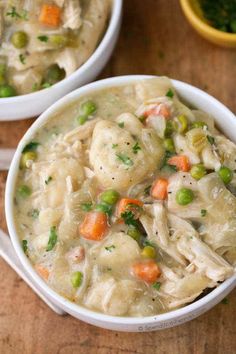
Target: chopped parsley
{"points": [[203, 212], [136, 148], [170, 93], [22, 58], [48, 180], [14, 14], [43, 38], [32, 146], [121, 124], [125, 159], [114, 146], [225, 301], [156, 285], [52, 239], [148, 243], [220, 14], [87, 206], [25, 246], [129, 218], [164, 164], [211, 139], [110, 248], [34, 213]]}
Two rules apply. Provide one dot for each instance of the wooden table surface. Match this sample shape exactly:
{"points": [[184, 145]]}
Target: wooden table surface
{"points": [[155, 39]]}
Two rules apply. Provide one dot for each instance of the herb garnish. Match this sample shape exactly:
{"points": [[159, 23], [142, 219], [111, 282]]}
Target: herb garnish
{"points": [[22, 58], [225, 301], [136, 148], [156, 285], [14, 14], [114, 146], [125, 159], [34, 213], [43, 38], [220, 14], [52, 239], [121, 124], [170, 93], [148, 243], [110, 248], [87, 206], [32, 146], [203, 212], [25, 246], [49, 179], [164, 164], [129, 218], [211, 139]]}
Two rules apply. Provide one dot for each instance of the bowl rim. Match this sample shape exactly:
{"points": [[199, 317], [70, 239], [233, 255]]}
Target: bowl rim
{"points": [[114, 20], [196, 20], [9, 211]]}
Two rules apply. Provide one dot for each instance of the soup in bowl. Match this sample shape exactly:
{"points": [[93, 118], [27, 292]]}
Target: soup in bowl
{"points": [[50, 48], [121, 198]]}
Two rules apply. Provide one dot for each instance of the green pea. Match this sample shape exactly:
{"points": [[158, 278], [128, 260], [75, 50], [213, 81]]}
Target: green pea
{"points": [[27, 156], [3, 69], [183, 123], [19, 39], [76, 279], [184, 196], [226, 174], [169, 128], [198, 124], [2, 80], [24, 191], [169, 145], [198, 171], [7, 91], [149, 252], [54, 74], [110, 196], [134, 233], [104, 208], [58, 40], [81, 119], [88, 108]]}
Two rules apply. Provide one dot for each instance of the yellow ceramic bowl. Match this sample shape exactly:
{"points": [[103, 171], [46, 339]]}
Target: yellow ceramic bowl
{"points": [[193, 13]]}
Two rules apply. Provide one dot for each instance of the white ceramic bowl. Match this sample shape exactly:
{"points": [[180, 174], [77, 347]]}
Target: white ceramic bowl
{"points": [[225, 120], [33, 104]]}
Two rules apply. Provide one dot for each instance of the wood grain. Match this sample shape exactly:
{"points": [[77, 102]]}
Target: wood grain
{"points": [[155, 39]]}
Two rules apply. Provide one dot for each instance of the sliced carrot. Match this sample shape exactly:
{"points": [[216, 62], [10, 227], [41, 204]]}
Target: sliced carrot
{"points": [[94, 226], [42, 271], [128, 204], [50, 15], [161, 109], [181, 162], [159, 189], [147, 271]]}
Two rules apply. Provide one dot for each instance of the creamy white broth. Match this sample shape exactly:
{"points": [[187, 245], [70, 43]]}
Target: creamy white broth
{"points": [[164, 248], [44, 42]]}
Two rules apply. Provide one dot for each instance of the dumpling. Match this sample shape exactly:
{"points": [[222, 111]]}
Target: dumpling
{"points": [[111, 296], [119, 159]]}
